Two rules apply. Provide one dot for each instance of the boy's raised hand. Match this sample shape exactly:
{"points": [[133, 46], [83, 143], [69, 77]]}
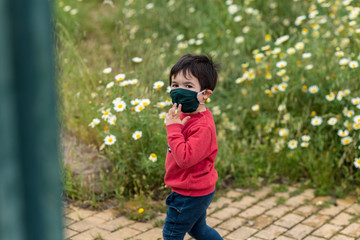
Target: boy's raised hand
{"points": [[173, 116]]}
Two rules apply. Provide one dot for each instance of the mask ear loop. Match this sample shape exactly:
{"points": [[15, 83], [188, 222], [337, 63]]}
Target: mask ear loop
{"points": [[201, 93]]}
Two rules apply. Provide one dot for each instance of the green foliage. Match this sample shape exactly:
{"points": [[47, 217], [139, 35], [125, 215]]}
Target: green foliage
{"points": [[279, 72]]}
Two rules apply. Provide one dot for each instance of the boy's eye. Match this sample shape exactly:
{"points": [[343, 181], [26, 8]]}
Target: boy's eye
{"points": [[188, 86], [174, 85]]}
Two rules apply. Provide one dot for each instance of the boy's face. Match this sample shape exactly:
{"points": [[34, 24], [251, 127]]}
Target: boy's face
{"points": [[190, 83]]}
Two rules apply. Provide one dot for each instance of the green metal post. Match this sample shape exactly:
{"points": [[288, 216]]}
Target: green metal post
{"points": [[30, 186]]}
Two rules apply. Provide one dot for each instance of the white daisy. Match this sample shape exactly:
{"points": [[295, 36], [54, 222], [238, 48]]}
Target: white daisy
{"points": [[332, 121], [291, 51], [340, 95], [137, 60], [357, 119], [316, 121], [110, 140], [304, 144], [282, 107], [313, 89], [162, 115], [330, 97], [117, 100], [112, 120], [106, 114], [94, 122], [110, 85], [305, 138], [107, 70], [283, 132], [135, 102], [239, 39], [306, 55], [355, 101], [139, 108], [233, 9], [120, 77], [356, 126], [357, 162], [255, 108], [281, 64], [344, 61], [343, 133], [292, 144], [136, 135], [299, 46], [145, 102], [353, 64], [153, 157], [120, 106], [282, 87], [346, 140], [158, 84]]}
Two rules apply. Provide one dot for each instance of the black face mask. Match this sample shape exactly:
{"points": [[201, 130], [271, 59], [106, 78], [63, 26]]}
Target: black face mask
{"points": [[187, 99]]}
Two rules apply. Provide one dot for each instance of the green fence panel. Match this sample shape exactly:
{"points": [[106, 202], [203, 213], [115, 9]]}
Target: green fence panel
{"points": [[30, 185]]}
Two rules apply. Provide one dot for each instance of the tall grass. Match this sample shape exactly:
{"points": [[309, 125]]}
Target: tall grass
{"points": [[280, 61]]}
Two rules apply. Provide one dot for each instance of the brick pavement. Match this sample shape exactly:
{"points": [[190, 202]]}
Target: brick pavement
{"points": [[237, 215]]}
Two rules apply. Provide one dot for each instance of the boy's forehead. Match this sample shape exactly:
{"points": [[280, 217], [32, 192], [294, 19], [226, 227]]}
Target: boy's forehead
{"points": [[184, 75]]}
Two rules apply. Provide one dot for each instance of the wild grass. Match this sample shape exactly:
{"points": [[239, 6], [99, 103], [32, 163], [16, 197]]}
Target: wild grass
{"points": [[288, 68]]}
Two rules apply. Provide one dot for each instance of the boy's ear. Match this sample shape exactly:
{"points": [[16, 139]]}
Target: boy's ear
{"points": [[207, 94]]}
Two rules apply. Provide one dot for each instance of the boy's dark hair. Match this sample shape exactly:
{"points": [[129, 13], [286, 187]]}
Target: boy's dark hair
{"points": [[200, 66]]}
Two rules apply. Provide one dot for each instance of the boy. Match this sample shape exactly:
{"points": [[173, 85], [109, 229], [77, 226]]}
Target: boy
{"points": [[192, 149]]}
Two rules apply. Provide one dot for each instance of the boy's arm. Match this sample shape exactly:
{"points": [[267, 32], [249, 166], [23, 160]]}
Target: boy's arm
{"points": [[188, 152]]}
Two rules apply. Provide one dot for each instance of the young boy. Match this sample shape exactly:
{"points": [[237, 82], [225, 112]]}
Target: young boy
{"points": [[192, 149]]}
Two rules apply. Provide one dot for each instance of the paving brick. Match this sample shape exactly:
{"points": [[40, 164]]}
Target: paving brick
{"points": [[241, 233], [299, 231], [86, 224], [342, 237], [289, 220], [80, 214], [112, 225], [244, 203], [347, 202], [332, 210], [271, 232], [278, 211], [122, 234], [268, 202], [296, 201], [153, 234], [263, 221], [342, 219], [232, 224], [221, 202], [316, 220], [354, 209], [313, 238], [327, 231], [226, 213], [221, 231], [107, 214], [91, 234], [263, 192], [353, 230], [308, 193], [233, 194], [69, 233], [306, 210], [283, 238], [141, 226], [212, 222], [252, 212], [68, 221]]}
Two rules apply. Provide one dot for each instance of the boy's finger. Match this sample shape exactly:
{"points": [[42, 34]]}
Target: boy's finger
{"points": [[179, 108]]}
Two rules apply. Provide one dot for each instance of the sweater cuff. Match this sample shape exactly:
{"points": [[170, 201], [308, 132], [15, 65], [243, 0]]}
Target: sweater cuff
{"points": [[175, 127]]}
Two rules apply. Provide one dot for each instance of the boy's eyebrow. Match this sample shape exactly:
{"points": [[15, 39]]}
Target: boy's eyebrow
{"points": [[188, 82]]}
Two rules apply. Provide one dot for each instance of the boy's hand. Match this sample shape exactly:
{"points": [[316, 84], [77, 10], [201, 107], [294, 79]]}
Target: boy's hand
{"points": [[173, 116]]}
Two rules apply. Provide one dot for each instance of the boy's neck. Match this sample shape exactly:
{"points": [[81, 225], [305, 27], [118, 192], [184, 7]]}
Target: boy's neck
{"points": [[201, 108]]}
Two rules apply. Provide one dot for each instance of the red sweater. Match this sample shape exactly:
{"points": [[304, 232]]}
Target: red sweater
{"points": [[191, 155]]}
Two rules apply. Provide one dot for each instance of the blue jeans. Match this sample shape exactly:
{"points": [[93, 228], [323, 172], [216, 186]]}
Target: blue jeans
{"points": [[188, 215]]}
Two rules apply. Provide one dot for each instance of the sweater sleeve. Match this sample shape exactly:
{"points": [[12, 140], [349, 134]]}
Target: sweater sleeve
{"points": [[188, 151]]}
